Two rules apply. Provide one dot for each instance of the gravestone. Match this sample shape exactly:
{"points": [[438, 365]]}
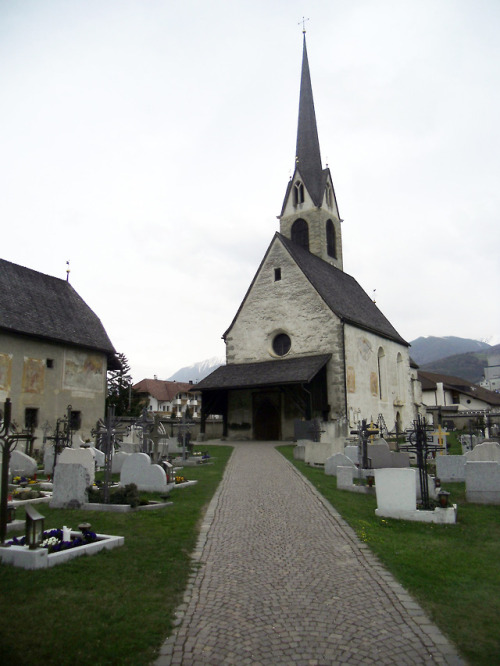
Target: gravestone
{"points": [[396, 490], [335, 461], [487, 451], [71, 481], [379, 455], [48, 458], [299, 451], [99, 456], [345, 477], [118, 460], [451, 468], [352, 452], [83, 457], [482, 482], [21, 464], [137, 468]]}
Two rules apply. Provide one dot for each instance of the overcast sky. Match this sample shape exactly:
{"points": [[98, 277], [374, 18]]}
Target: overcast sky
{"points": [[150, 143]]}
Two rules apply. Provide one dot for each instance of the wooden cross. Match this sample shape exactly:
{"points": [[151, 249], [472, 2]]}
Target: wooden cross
{"points": [[303, 21]]}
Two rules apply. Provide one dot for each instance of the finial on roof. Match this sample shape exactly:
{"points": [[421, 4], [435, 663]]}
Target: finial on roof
{"points": [[67, 271], [303, 24]]}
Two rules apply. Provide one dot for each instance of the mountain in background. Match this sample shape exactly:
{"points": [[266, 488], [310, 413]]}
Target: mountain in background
{"points": [[197, 371], [458, 357], [429, 349]]}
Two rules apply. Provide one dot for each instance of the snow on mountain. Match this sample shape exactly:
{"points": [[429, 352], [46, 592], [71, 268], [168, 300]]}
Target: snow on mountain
{"points": [[197, 371]]}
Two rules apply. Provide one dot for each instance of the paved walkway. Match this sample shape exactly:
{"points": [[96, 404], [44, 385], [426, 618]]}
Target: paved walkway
{"points": [[283, 580]]}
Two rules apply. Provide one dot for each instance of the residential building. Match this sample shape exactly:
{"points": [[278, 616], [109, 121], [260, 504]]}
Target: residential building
{"points": [[169, 399], [54, 353]]}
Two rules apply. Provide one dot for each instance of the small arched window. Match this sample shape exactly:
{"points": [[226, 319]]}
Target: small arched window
{"points": [[331, 247], [382, 373], [298, 193], [328, 196], [400, 378], [300, 233]]}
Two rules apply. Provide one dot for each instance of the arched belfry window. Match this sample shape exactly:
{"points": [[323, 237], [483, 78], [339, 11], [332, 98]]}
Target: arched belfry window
{"points": [[331, 246], [298, 193], [300, 233], [328, 196]]}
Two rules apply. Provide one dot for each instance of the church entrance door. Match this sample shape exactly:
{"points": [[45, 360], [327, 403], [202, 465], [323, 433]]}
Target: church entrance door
{"points": [[267, 416]]}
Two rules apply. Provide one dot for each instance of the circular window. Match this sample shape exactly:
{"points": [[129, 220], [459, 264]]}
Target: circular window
{"points": [[281, 344]]}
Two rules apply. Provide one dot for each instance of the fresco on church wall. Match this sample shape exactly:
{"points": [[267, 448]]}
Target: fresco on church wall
{"points": [[351, 379], [83, 371], [374, 384], [5, 371], [33, 375]]}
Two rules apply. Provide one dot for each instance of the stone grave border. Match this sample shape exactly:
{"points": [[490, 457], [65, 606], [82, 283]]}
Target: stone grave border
{"points": [[40, 558]]}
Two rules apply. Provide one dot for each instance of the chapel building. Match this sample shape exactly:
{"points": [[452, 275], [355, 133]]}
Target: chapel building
{"points": [[307, 342]]}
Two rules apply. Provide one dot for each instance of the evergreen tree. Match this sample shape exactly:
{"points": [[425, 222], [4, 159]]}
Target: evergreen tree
{"points": [[126, 401]]}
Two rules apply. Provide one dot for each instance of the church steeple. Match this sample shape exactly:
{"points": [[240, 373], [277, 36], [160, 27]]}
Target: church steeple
{"points": [[307, 153], [310, 215]]}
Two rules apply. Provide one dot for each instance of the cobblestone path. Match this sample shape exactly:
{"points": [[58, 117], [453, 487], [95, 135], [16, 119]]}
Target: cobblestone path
{"points": [[283, 580]]}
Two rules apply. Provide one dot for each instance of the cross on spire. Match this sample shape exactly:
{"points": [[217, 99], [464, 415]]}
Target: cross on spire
{"points": [[303, 21]]}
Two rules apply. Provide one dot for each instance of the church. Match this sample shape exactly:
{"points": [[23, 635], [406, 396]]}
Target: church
{"points": [[307, 343]]}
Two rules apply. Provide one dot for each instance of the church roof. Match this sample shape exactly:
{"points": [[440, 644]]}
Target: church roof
{"points": [[340, 291], [298, 370], [46, 307], [307, 153]]}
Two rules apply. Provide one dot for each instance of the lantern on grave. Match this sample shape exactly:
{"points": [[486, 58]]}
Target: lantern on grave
{"points": [[169, 471], [34, 527]]}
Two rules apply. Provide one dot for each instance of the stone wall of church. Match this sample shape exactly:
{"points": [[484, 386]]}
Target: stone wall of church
{"points": [[288, 305], [45, 378], [378, 379], [316, 221]]}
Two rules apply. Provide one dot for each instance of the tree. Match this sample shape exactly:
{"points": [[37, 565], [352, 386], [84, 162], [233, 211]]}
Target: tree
{"points": [[126, 401]]}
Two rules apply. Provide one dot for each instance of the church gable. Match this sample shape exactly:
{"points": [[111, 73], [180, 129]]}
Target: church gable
{"points": [[282, 314]]}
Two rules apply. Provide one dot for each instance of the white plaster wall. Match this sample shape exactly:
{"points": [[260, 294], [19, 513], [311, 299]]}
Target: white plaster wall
{"points": [[289, 305], [47, 394], [363, 397], [292, 306]]}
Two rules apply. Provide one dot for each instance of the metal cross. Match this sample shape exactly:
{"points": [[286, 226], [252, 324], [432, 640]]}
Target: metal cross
{"points": [[303, 21]]}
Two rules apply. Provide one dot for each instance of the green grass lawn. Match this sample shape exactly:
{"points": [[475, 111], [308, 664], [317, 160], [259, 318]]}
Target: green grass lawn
{"points": [[115, 607], [452, 570]]}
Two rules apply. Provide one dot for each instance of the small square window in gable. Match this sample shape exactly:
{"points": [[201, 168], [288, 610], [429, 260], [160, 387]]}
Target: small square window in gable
{"points": [[277, 274]]}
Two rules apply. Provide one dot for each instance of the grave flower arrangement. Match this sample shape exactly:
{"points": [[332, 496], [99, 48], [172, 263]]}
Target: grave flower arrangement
{"points": [[53, 540], [23, 480], [180, 479]]}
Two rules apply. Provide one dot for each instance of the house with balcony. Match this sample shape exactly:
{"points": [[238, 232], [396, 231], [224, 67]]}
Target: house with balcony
{"points": [[170, 399], [457, 400]]}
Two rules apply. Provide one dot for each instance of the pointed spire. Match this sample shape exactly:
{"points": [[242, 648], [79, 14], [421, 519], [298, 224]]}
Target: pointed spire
{"points": [[308, 157]]}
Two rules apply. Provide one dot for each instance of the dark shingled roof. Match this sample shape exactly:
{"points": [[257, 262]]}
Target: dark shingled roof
{"points": [[299, 370], [46, 307], [341, 292], [430, 379]]}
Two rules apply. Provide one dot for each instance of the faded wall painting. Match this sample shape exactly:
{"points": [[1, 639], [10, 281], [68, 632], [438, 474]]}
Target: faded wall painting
{"points": [[84, 371], [351, 379], [33, 375], [5, 371]]}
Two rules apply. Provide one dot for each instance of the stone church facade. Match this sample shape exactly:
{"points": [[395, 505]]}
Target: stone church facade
{"points": [[307, 342]]}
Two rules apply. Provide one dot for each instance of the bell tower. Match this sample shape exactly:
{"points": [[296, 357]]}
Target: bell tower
{"points": [[310, 216]]}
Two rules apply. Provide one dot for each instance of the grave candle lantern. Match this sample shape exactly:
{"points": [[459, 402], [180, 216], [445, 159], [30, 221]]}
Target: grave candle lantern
{"points": [[34, 527]]}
